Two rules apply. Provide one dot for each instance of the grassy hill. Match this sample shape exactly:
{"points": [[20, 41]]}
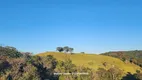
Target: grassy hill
{"points": [[94, 61], [15, 65]]}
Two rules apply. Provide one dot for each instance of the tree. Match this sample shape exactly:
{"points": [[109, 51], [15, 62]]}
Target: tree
{"points": [[111, 74], [102, 74], [82, 52], [10, 52], [66, 49], [71, 50], [132, 60], [105, 64], [60, 49], [115, 73], [4, 65], [129, 76]]}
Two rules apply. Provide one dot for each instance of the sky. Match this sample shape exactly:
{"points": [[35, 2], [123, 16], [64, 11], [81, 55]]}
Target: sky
{"points": [[92, 26]]}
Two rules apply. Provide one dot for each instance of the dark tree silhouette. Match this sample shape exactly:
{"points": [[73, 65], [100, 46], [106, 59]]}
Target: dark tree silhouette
{"points": [[71, 50], [66, 49], [129, 76], [60, 49]]}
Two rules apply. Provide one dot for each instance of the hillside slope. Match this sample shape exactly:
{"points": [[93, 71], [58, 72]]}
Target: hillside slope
{"points": [[134, 56], [94, 61]]}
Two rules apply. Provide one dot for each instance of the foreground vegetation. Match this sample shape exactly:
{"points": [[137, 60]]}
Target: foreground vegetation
{"points": [[15, 65]]}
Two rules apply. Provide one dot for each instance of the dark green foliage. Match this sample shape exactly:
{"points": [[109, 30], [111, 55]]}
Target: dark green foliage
{"points": [[44, 72], [82, 52], [111, 74], [9, 52], [71, 50], [131, 56], [90, 74], [66, 66], [136, 76], [105, 64], [115, 74], [129, 76], [45, 67], [9, 77], [4, 65], [138, 71], [102, 74], [60, 49], [28, 68], [66, 49], [124, 59], [50, 62]]}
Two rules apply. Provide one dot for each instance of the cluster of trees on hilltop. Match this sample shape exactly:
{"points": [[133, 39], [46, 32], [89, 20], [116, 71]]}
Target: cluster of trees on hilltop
{"points": [[131, 56], [65, 49]]}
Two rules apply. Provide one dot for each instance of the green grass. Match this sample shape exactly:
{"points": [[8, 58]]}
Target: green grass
{"points": [[94, 61]]}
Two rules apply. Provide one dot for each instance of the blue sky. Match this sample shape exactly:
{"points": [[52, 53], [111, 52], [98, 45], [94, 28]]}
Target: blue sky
{"points": [[91, 26]]}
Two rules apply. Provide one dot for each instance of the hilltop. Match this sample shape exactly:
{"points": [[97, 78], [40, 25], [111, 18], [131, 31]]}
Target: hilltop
{"points": [[94, 61]]}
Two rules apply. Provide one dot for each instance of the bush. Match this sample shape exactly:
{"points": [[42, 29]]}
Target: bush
{"points": [[111, 74]]}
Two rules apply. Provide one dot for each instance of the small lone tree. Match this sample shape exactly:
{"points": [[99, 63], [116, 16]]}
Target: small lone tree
{"points": [[60, 49], [82, 52]]}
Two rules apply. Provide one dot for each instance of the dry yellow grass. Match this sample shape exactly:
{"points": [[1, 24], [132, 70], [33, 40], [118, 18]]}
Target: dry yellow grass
{"points": [[94, 61]]}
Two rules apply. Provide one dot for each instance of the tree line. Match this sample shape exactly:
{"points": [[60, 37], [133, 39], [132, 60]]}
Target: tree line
{"points": [[127, 56]]}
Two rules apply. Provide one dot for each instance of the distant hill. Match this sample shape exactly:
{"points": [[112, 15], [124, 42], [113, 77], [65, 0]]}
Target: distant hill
{"points": [[94, 61], [134, 56]]}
